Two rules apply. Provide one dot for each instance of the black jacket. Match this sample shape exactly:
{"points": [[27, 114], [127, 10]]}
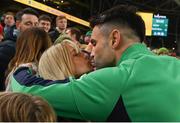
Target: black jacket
{"points": [[54, 35], [7, 52]]}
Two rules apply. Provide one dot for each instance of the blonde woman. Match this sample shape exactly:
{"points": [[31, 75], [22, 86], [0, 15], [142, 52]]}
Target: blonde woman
{"points": [[18, 107], [63, 60]]}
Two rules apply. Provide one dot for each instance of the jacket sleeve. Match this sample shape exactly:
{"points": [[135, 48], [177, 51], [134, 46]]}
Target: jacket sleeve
{"points": [[92, 97]]}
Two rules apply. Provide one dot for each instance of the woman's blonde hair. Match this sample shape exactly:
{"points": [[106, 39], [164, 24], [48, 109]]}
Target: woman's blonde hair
{"points": [[56, 62], [18, 107]]}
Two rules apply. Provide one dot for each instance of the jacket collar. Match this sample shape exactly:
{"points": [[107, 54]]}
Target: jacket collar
{"points": [[134, 51]]}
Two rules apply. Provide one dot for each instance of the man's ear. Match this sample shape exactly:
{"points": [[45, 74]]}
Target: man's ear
{"points": [[17, 24], [115, 38]]}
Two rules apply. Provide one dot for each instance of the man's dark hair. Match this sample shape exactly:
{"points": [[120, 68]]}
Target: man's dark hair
{"points": [[45, 17], [122, 15], [26, 11], [75, 31]]}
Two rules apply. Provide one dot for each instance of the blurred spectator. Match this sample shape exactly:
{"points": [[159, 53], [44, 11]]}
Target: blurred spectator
{"points": [[163, 51], [61, 25], [1, 33], [29, 50], [25, 19], [19, 107], [87, 40], [87, 37], [173, 54], [45, 22], [9, 21], [2, 21], [81, 40], [74, 33], [62, 37], [28, 18]]}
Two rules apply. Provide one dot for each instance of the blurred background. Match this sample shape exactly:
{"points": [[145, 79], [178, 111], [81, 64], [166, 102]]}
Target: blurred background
{"points": [[162, 17]]}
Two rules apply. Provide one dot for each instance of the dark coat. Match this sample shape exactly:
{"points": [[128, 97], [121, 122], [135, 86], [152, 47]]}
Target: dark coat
{"points": [[7, 52], [54, 35]]}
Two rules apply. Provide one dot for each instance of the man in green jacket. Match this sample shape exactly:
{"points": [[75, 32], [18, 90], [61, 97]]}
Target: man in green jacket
{"points": [[130, 83]]}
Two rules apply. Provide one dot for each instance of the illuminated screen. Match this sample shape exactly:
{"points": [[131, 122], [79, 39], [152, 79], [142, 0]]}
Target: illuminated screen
{"points": [[160, 25], [156, 25]]}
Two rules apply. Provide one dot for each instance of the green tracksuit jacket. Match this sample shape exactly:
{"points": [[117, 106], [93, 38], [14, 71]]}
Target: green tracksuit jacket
{"points": [[141, 87]]}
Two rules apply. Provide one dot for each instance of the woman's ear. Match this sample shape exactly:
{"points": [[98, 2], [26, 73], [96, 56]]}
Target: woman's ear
{"points": [[115, 38]]}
